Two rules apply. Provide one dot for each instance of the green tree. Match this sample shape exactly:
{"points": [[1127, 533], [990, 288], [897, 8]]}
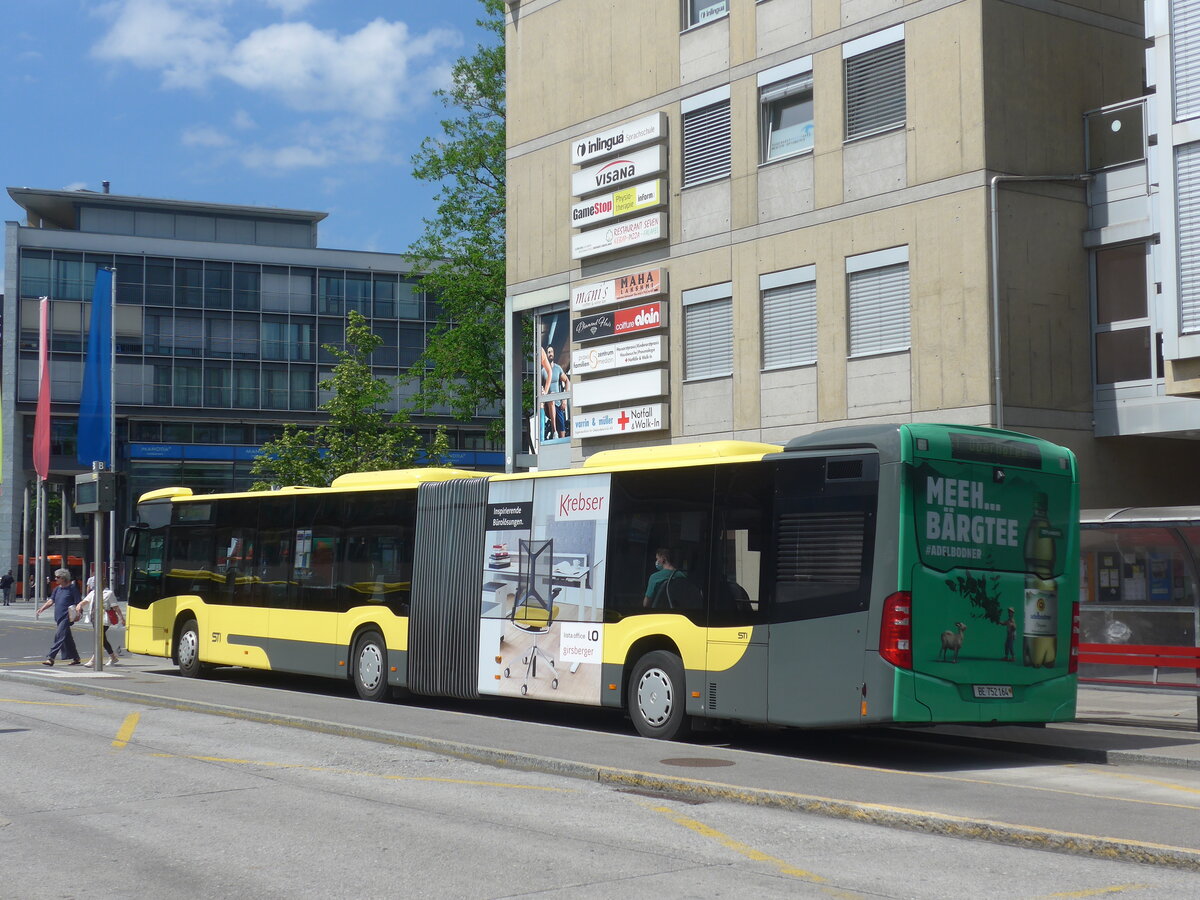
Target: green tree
{"points": [[460, 254], [359, 437]]}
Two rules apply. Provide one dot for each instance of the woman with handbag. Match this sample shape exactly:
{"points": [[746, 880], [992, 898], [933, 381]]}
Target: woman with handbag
{"points": [[112, 616]]}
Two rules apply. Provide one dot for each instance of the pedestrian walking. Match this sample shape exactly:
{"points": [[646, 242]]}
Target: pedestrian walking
{"points": [[6, 583], [64, 598], [112, 616]]}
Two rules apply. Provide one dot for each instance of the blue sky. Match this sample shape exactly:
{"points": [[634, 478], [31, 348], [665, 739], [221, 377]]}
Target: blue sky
{"points": [[303, 104]]}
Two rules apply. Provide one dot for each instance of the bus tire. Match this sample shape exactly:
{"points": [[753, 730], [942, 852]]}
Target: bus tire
{"points": [[371, 666], [656, 697], [187, 650]]}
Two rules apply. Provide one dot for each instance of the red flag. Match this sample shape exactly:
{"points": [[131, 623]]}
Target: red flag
{"points": [[41, 424]]}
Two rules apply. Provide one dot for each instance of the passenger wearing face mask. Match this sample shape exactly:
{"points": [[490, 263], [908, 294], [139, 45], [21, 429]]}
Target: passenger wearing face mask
{"points": [[664, 571]]}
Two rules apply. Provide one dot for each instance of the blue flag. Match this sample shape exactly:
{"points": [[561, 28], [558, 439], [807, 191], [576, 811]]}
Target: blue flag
{"points": [[95, 401]]}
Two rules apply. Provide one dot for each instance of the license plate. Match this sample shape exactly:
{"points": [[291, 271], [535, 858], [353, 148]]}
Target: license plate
{"points": [[993, 691]]}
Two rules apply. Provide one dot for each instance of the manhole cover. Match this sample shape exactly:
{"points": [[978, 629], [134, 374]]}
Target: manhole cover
{"points": [[696, 762]]}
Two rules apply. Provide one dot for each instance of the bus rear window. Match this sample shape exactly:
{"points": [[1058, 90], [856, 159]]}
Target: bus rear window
{"points": [[996, 451]]}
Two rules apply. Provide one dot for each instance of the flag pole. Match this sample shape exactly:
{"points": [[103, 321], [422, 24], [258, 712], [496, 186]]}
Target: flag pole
{"points": [[112, 428]]}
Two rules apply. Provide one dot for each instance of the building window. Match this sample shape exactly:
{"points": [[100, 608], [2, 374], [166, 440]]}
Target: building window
{"points": [[187, 385], [216, 388], [697, 12], [708, 332], [789, 318], [1187, 212], [707, 149], [1185, 54], [874, 71], [785, 99], [1123, 345], [877, 287]]}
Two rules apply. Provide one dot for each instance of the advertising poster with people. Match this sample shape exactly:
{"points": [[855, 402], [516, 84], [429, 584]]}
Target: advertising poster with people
{"points": [[543, 588], [552, 371]]}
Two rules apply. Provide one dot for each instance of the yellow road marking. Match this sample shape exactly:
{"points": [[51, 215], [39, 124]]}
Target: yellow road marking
{"points": [[126, 730], [1096, 892], [746, 850], [39, 702], [308, 768]]}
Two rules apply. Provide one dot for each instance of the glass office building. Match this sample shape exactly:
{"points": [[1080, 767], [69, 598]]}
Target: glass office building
{"points": [[221, 315]]}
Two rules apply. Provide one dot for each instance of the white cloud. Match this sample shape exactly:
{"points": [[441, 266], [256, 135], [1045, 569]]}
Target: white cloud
{"points": [[311, 146], [367, 73], [374, 72], [204, 136], [75, 186], [158, 34], [243, 121]]}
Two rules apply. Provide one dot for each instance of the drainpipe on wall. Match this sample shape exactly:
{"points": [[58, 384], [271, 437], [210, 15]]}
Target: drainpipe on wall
{"points": [[995, 242]]}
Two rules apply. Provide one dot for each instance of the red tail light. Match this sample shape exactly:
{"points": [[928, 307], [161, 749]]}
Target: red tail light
{"points": [[895, 634], [1073, 659]]}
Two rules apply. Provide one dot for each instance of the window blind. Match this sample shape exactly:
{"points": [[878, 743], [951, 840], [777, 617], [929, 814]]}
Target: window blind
{"points": [[708, 339], [879, 310], [1185, 57], [875, 90], [789, 329], [706, 144], [1187, 225]]}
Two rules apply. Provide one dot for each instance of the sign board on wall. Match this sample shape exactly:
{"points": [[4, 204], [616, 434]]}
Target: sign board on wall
{"points": [[617, 356], [619, 322], [626, 167], [617, 140], [621, 420], [634, 286], [620, 235], [621, 388], [593, 211]]}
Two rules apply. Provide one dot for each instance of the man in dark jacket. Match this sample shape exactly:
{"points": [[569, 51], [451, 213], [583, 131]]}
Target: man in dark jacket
{"points": [[63, 598]]}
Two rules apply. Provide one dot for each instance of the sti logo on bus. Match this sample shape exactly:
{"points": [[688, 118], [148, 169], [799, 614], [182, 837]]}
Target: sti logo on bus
{"points": [[576, 505]]}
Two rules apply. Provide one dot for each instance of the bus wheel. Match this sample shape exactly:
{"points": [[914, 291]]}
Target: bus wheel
{"points": [[370, 667], [187, 650], [656, 701]]}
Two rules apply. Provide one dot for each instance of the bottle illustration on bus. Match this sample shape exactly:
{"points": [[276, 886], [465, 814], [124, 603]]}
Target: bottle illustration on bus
{"points": [[1041, 589]]}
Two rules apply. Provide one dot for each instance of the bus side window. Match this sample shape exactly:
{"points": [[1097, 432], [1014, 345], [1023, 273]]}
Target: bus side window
{"points": [[743, 503], [190, 564], [318, 538], [275, 548], [824, 540], [669, 509]]}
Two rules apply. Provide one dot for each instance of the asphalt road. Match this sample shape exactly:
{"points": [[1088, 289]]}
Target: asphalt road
{"points": [[102, 797], [996, 792]]}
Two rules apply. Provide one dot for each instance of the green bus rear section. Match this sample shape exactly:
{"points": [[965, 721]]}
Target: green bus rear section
{"points": [[1000, 482], [792, 654]]}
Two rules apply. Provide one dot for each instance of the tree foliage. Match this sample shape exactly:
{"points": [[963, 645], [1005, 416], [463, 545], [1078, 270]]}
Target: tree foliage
{"points": [[461, 251], [359, 437]]}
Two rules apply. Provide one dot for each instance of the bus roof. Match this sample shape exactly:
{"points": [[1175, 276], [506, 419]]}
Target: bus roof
{"points": [[678, 454]]}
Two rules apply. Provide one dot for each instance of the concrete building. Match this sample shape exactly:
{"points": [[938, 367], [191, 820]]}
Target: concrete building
{"points": [[221, 313], [763, 218]]}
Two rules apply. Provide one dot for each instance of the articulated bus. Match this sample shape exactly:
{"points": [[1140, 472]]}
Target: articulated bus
{"points": [[856, 576]]}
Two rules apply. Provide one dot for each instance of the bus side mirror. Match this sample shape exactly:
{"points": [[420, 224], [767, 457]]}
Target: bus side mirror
{"points": [[130, 542]]}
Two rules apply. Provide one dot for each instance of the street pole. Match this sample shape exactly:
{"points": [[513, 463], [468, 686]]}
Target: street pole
{"points": [[98, 611]]}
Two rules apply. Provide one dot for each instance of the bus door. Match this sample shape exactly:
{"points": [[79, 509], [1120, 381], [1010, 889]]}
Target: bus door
{"points": [[819, 578], [736, 682]]}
